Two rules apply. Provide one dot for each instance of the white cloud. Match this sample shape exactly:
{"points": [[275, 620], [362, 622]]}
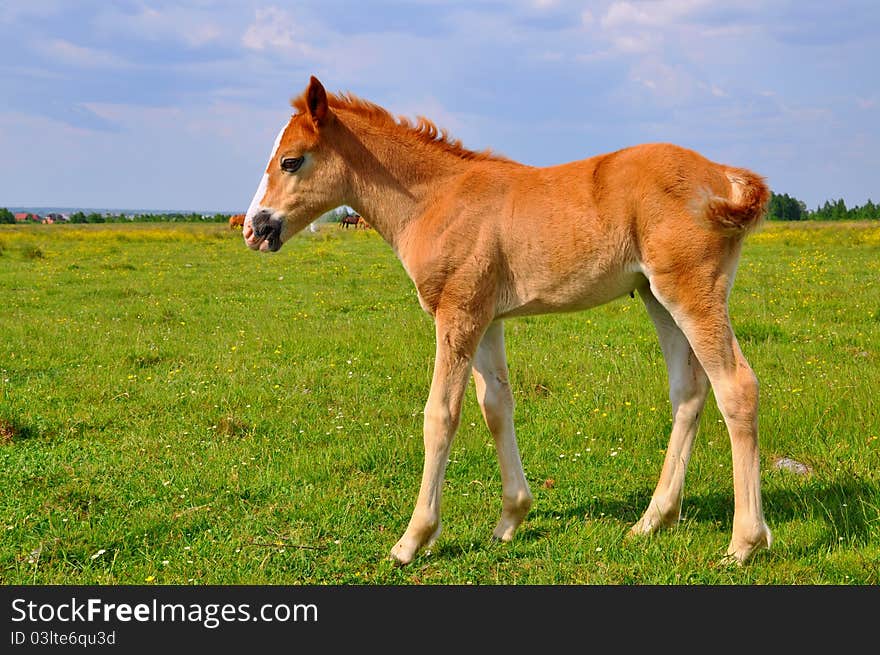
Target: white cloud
{"points": [[77, 55], [624, 14], [634, 43], [276, 29], [669, 85], [134, 115], [650, 14], [639, 28], [587, 18], [192, 27], [669, 48], [16, 10]]}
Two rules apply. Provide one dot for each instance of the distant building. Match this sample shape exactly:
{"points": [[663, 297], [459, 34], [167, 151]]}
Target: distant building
{"points": [[24, 217]]}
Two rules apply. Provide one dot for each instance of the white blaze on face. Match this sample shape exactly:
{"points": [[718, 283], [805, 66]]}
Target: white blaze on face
{"points": [[255, 205]]}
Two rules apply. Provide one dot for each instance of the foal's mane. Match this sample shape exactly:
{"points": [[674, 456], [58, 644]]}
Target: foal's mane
{"points": [[423, 129]]}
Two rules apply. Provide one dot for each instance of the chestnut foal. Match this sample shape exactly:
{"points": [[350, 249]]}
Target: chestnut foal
{"points": [[485, 238]]}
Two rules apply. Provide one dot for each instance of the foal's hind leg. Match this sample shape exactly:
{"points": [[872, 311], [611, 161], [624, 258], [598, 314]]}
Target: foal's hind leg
{"points": [[688, 387], [496, 403], [700, 310]]}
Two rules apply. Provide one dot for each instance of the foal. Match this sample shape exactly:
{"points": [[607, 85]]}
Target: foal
{"points": [[484, 238]]}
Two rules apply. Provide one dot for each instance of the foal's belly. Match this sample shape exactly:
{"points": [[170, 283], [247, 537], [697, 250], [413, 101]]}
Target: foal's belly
{"points": [[568, 295]]}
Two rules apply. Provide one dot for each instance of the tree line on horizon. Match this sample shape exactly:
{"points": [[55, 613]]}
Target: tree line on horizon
{"points": [[782, 207], [7, 216]]}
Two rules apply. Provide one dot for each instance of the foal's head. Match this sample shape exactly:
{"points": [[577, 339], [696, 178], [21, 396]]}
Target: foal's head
{"points": [[304, 178]]}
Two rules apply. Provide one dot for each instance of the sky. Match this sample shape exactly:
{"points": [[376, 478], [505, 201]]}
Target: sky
{"points": [[175, 105]]}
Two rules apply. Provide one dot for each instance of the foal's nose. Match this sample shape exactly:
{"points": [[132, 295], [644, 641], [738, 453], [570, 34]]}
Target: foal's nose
{"points": [[261, 223], [268, 229]]}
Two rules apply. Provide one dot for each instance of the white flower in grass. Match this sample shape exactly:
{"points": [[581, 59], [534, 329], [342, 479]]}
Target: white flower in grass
{"points": [[99, 553]]}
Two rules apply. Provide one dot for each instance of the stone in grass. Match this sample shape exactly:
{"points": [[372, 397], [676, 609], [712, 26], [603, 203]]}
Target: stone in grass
{"points": [[788, 464]]}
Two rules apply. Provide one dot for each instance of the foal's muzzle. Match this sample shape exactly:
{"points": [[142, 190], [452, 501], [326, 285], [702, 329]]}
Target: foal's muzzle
{"points": [[266, 229]]}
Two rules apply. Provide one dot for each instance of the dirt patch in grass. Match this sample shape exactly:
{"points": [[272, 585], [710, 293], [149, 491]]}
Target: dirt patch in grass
{"points": [[231, 426], [7, 432], [12, 431]]}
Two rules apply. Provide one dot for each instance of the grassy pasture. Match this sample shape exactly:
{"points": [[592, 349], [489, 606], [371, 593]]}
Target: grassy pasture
{"points": [[175, 409]]}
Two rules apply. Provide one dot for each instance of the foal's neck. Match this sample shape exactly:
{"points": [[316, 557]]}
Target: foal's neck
{"points": [[394, 174]]}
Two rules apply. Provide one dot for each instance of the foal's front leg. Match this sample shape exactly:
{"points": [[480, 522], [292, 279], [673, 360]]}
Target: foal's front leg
{"points": [[456, 343]]}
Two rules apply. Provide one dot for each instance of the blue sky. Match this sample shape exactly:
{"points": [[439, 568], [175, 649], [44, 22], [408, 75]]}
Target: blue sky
{"points": [[175, 105]]}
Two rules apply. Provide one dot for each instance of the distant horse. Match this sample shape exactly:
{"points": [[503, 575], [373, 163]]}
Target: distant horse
{"points": [[236, 221], [349, 219], [485, 238], [362, 224]]}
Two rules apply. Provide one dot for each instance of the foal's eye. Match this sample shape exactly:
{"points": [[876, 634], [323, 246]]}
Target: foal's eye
{"points": [[292, 164]]}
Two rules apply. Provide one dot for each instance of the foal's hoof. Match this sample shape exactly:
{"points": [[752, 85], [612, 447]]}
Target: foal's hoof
{"points": [[513, 513], [651, 523], [398, 558], [504, 531], [405, 550], [741, 551], [642, 528]]}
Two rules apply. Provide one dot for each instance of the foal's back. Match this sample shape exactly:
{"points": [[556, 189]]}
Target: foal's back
{"points": [[578, 235]]}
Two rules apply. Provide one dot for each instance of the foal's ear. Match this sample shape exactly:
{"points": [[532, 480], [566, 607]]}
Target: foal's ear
{"points": [[316, 101]]}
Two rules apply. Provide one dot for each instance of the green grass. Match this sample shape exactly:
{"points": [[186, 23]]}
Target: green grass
{"points": [[177, 409]]}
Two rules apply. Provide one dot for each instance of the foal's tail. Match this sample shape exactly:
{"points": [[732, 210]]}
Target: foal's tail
{"points": [[745, 207]]}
